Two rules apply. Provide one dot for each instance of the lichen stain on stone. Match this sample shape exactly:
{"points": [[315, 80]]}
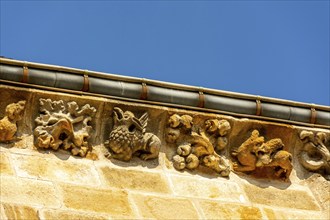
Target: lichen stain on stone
{"points": [[248, 213]]}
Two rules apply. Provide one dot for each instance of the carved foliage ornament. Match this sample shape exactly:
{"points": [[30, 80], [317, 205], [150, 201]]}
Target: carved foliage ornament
{"points": [[315, 153], [255, 154], [129, 137], [198, 148], [14, 112], [64, 126]]}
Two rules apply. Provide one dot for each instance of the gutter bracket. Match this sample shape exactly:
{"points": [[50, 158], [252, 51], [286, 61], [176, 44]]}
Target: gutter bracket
{"points": [[201, 98], [313, 114], [25, 77], [144, 90], [258, 106], [85, 87]]}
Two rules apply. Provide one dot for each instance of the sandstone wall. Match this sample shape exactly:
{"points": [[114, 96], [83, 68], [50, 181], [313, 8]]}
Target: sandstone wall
{"points": [[38, 183]]}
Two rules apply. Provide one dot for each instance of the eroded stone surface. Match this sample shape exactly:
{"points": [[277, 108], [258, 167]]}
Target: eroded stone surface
{"points": [[55, 169], [165, 207], [19, 212], [136, 180], [61, 186], [274, 214], [14, 112], [65, 126], [315, 153], [114, 202], [5, 167], [28, 191], [255, 154], [71, 215], [129, 137], [198, 144], [320, 188], [217, 210], [288, 198], [209, 189]]}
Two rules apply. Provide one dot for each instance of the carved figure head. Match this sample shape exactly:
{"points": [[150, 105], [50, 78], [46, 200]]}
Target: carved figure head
{"points": [[128, 130], [176, 121], [172, 135], [212, 125], [15, 111], [266, 151]]}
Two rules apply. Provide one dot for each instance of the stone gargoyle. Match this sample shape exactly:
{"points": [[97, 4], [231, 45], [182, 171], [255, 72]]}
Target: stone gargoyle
{"points": [[315, 153], [14, 112], [129, 137], [196, 148], [255, 153], [64, 126]]}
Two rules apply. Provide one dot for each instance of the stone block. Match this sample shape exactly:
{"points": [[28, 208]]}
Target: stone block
{"points": [[2, 213], [5, 167], [217, 210], [28, 191], [137, 180], [273, 214], [320, 188], [71, 170], [205, 188], [164, 207], [113, 202], [70, 215], [11, 211], [289, 198]]}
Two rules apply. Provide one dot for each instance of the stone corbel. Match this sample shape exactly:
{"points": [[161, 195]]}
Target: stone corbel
{"points": [[129, 137], [315, 153], [14, 113], [64, 126], [198, 146], [264, 159]]}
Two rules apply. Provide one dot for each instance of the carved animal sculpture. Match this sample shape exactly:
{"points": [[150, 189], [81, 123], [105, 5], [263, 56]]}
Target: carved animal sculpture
{"points": [[254, 153], [129, 137], [8, 127]]}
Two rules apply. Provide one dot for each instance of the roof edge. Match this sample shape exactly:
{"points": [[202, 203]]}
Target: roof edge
{"points": [[161, 92]]}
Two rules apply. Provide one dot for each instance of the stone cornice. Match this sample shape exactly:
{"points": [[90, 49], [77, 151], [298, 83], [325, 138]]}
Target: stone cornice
{"points": [[183, 140]]}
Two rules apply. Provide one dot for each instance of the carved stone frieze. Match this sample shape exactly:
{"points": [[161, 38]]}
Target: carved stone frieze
{"points": [[255, 155], [315, 153], [14, 112], [197, 145], [65, 126], [129, 137]]}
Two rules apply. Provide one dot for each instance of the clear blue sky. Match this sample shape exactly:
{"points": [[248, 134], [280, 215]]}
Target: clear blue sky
{"points": [[278, 49]]}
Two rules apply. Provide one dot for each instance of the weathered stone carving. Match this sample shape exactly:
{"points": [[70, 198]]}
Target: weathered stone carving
{"points": [[315, 154], [8, 127], [255, 154], [129, 137], [64, 126], [197, 147]]}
